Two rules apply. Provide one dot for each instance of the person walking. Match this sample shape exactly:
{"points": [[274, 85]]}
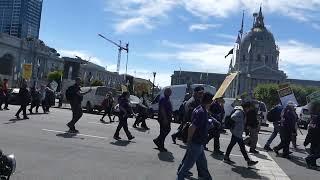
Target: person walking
{"points": [[143, 108], [24, 99], [49, 98], [238, 117], [5, 95], [164, 119], [43, 102], [75, 96], [253, 126], [125, 112], [216, 110], [197, 138], [35, 100], [287, 128], [313, 136], [107, 105], [274, 116], [189, 106]]}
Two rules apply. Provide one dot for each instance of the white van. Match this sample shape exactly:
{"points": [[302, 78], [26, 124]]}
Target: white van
{"points": [[304, 116], [94, 99], [230, 103], [178, 95]]}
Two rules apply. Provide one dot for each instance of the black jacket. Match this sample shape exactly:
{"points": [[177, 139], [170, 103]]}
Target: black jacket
{"points": [[252, 120], [24, 96]]}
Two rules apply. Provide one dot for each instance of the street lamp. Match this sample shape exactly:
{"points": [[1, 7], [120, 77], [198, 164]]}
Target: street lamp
{"points": [[154, 77]]}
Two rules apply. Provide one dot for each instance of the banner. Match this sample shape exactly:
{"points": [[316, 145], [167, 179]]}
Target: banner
{"points": [[224, 86], [286, 95], [26, 71]]}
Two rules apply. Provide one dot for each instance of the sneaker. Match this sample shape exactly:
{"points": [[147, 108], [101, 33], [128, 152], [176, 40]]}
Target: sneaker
{"points": [[174, 139], [252, 163], [6, 108], [267, 148], [17, 116], [130, 138], [101, 120], [163, 149], [228, 160], [117, 138], [73, 131], [25, 117], [276, 151], [254, 151]]}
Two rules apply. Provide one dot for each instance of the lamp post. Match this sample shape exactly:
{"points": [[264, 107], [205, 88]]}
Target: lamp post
{"points": [[154, 77]]}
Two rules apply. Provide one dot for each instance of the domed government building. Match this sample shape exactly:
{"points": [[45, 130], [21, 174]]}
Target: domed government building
{"points": [[255, 61]]}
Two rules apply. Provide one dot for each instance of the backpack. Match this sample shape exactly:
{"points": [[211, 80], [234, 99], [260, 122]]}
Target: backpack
{"points": [[69, 93], [229, 122], [271, 115]]}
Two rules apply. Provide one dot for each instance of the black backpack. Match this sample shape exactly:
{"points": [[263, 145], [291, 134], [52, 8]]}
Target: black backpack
{"points": [[271, 115], [229, 122]]}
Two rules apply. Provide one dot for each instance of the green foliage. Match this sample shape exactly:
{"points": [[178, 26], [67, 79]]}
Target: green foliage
{"points": [[267, 93], [55, 76], [97, 83]]}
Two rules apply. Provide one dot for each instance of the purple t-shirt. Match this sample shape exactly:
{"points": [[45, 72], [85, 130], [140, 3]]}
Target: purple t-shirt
{"points": [[200, 121], [165, 103]]}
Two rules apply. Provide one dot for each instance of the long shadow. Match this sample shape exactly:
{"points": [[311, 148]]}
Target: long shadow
{"points": [[191, 178], [263, 130], [120, 143], [166, 156], [247, 172], [68, 135], [217, 157], [261, 156], [298, 161], [302, 151], [141, 129], [11, 121]]}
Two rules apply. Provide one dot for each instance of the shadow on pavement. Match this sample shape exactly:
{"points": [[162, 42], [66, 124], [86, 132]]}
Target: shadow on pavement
{"points": [[217, 157], [302, 151], [298, 161], [11, 121], [141, 129], [261, 156], [191, 178], [247, 172], [264, 130], [166, 156], [120, 143], [68, 135]]}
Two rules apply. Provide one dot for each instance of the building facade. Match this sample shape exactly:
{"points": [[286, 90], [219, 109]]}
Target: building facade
{"points": [[255, 59], [14, 52], [20, 18], [186, 77]]}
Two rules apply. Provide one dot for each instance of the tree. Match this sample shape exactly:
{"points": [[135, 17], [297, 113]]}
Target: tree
{"points": [[55, 76], [97, 83], [268, 93]]}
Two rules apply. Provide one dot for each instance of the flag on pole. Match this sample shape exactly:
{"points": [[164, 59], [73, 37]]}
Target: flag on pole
{"points": [[230, 52]]}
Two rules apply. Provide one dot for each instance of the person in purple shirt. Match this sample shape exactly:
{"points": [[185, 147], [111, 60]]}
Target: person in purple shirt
{"points": [[197, 139], [164, 119]]}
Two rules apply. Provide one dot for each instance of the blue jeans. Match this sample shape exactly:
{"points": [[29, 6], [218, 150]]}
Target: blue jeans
{"points": [[194, 154], [274, 134]]}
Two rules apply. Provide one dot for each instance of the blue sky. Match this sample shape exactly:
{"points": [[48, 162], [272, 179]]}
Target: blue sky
{"points": [[192, 35]]}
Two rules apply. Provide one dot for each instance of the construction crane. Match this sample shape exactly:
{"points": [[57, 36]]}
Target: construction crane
{"points": [[120, 48]]}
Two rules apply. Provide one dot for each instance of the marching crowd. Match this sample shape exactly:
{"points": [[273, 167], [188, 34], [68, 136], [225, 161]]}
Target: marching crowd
{"points": [[201, 119]]}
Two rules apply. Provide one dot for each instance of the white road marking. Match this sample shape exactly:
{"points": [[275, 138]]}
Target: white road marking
{"points": [[268, 167], [85, 135]]}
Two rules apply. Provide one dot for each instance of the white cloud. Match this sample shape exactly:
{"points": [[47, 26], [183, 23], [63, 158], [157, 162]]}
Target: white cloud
{"points": [[149, 13], [201, 27], [226, 36]]}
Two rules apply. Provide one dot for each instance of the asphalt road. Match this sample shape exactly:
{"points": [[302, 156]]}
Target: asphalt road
{"points": [[45, 151]]}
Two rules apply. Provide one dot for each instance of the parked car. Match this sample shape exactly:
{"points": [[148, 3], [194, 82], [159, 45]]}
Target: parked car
{"points": [[177, 97], [93, 100], [13, 96], [304, 116]]}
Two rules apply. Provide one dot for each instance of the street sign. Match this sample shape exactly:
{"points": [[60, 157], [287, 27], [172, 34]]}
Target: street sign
{"points": [[26, 71], [286, 95], [54, 85], [313, 97]]}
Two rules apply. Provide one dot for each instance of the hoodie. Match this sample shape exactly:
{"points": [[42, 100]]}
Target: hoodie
{"points": [[239, 118]]}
